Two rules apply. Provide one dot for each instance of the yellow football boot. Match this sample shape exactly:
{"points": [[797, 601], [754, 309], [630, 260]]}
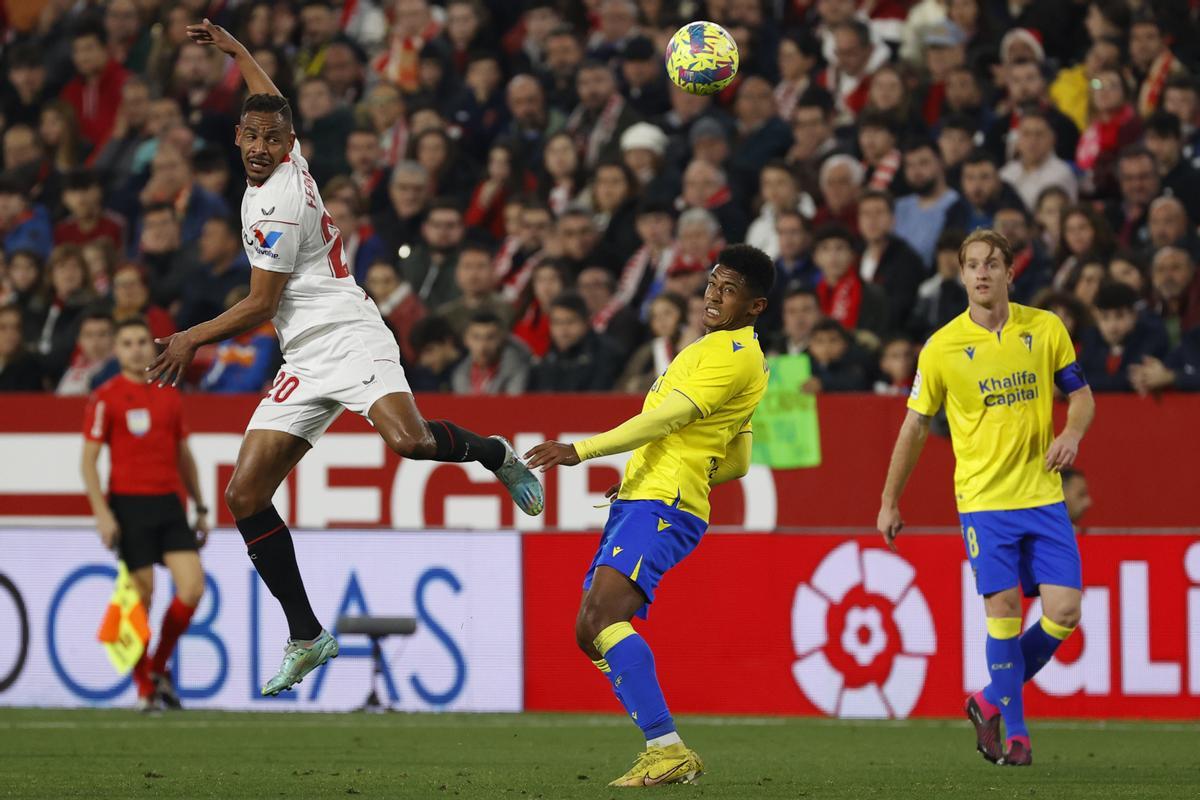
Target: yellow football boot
{"points": [[658, 765]]}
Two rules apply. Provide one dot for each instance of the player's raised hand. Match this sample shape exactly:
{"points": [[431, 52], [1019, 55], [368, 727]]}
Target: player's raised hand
{"points": [[889, 524], [1062, 452], [174, 359], [209, 34], [551, 454]]}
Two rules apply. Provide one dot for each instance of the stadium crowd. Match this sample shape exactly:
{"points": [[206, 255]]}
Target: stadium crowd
{"points": [[534, 207]]}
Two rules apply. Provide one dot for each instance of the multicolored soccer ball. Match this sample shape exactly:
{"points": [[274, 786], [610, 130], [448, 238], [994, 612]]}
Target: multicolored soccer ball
{"points": [[702, 58]]}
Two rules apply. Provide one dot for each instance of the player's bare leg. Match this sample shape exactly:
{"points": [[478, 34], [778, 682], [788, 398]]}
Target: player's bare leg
{"points": [[603, 632], [143, 581], [188, 577], [263, 463], [409, 435]]}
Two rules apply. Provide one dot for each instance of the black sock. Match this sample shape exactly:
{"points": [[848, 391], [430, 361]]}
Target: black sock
{"points": [[269, 543], [459, 444]]}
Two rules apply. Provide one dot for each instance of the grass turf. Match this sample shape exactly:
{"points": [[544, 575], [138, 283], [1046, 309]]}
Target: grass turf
{"points": [[114, 753]]}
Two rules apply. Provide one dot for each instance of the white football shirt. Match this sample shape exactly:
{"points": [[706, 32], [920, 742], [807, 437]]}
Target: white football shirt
{"points": [[285, 228]]}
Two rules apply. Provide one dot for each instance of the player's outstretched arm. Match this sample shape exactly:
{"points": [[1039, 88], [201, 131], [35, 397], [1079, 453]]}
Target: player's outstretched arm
{"points": [[1081, 410], [913, 433], [260, 305], [257, 81], [672, 413]]}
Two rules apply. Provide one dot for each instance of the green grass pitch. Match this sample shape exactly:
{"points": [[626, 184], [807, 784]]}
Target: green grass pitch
{"points": [[115, 753]]}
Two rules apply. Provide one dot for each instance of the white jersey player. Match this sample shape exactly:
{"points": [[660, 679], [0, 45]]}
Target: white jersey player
{"points": [[337, 353]]}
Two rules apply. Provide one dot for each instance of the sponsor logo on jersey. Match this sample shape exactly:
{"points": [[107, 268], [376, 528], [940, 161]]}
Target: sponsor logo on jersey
{"points": [[1021, 386], [263, 243]]}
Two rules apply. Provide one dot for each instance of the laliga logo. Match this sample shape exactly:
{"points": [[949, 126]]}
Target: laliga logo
{"points": [[863, 634]]}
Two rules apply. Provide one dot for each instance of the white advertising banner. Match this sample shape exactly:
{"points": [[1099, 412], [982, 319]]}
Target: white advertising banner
{"points": [[464, 589]]}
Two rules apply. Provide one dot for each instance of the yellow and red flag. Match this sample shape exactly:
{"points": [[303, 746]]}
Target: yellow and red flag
{"points": [[125, 629]]}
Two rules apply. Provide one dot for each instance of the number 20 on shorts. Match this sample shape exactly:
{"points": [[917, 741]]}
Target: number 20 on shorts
{"points": [[283, 387]]}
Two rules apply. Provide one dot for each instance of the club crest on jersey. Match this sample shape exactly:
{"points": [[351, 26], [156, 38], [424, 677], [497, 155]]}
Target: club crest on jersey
{"points": [[1027, 338], [138, 421], [263, 243]]}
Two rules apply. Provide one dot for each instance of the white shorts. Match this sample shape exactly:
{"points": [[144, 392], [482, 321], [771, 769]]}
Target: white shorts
{"points": [[348, 365]]}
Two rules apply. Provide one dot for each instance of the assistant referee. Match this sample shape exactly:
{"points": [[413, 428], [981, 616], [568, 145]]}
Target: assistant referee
{"points": [[142, 517]]}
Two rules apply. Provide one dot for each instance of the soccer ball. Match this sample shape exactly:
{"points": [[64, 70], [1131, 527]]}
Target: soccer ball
{"points": [[702, 58]]}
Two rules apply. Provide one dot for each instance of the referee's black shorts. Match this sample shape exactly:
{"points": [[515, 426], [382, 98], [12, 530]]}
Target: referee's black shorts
{"points": [[150, 526]]}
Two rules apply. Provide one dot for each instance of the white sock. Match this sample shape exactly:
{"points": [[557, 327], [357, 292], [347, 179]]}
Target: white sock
{"points": [[664, 740]]}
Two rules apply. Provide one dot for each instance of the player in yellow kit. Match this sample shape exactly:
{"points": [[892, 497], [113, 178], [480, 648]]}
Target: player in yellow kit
{"points": [[693, 433], [994, 367]]}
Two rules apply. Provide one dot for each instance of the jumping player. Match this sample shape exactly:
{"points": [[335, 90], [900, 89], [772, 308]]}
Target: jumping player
{"points": [[142, 517], [994, 367], [337, 351], [693, 434]]}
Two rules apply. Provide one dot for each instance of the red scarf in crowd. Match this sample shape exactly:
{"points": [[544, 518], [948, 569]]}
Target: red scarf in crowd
{"points": [[1156, 80], [843, 300], [1101, 137]]}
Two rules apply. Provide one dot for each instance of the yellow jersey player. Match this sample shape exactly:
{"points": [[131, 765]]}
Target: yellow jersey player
{"points": [[992, 368], [693, 433]]}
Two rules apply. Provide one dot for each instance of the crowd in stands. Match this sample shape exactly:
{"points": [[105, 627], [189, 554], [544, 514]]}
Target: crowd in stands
{"points": [[534, 206]]}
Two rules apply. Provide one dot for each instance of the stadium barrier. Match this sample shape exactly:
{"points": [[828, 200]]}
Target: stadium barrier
{"points": [[750, 623], [1138, 459]]}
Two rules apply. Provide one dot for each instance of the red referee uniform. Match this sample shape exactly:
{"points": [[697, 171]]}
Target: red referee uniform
{"points": [[142, 424]]}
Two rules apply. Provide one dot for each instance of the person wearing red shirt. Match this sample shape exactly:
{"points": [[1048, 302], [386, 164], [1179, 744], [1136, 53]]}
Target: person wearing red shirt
{"points": [[142, 517], [83, 196], [95, 93]]}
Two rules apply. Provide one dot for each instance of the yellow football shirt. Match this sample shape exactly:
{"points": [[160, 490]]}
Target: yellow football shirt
{"points": [[998, 390], [725, 375]]}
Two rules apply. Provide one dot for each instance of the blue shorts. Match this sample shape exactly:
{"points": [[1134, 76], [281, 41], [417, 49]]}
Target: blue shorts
{"points": [[1030, 546], [642, 540]]}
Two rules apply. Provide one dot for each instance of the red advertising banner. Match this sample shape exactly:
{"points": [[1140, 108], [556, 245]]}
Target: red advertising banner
{"points": [[838, 626], [1136, 459]]}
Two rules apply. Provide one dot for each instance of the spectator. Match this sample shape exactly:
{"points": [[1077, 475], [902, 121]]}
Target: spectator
{"points": [[160, 249], [19, 369], [761, 135], [887, 261], [1086, 281], [21, 98], [476, 290], [414, 25], [54, 326], [801, 313], [880, 156], [24, 279], [614, 206], [1168, 224], [1071, 89], [429, 266], [1181, 99], [479, 108], [813, 137], [780, 193], [345, 72], [22, 226], [941, 297], [668, 312], [982, 193], [921, 215], [206, 100], [562, 181], [1076, 317], [616, 26], [385, 111], [841, 181], [318, 29], [890, 94], [399, 224], [93, 356], [246, 362], [595, 285], [644, 83], [698, 240], [844, 296], [897, 367], [131, 298], [1176, 292], [955, 141], [563, 57], [705, 187], [601, 116], [1127, 268], [837, 364], [1152, 61], [172, 181], [1181, 370], [464, 34], [964, 95], [83, 197], [398, 304], [437, 352], [1035, 167], [1084, 232], [521, 251], [325, 127], [643, 147], [59, 133], [1120, 340], [793, 268], [1047, 216], [530, 121], [579, 359], [642, 277], [1113, 126], [1076, 496], [495, 364], [1164, 140], [575, 239], [1032, 269], [223, 268], [1139, 184], [798, 55], [1025, 86], [95, 92], [547, 281], [710, 141], [364, 164], [945, 50], [848, 76], [503, 181]]}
